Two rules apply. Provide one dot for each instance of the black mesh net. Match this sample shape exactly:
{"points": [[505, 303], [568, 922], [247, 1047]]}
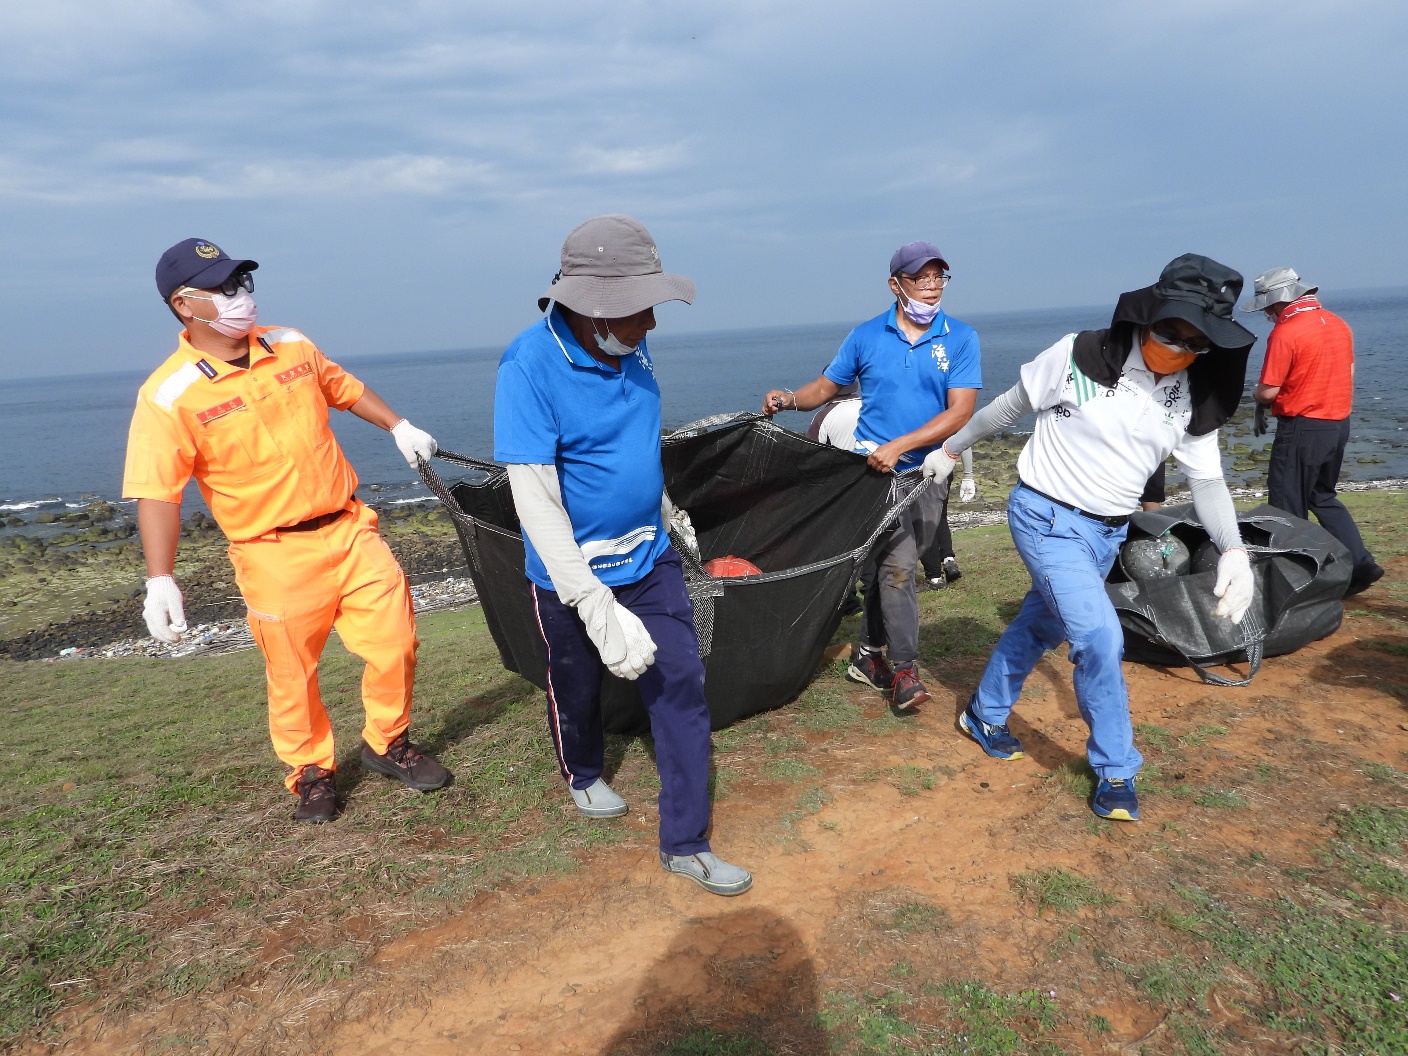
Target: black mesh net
{"points": [[804, 513]]}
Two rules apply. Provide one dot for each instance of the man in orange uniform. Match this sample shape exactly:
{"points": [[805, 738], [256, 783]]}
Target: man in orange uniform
{"points": [[244, 408], [1307, 382]]}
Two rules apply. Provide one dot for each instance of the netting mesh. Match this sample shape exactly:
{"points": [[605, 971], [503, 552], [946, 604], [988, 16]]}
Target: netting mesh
{"points": [[804, 513]]}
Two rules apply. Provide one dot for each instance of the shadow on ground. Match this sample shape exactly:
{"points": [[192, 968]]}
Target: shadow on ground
{"points": [[740, 982]]}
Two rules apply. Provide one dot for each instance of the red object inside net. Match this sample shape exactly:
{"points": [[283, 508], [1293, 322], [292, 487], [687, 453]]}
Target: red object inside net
{"points": [[728, 567]]}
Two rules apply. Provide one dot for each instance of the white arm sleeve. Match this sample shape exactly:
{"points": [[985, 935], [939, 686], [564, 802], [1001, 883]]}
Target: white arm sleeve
{"points": [[1212, 502], [967, 463], [538, 497], [1007, 409]]}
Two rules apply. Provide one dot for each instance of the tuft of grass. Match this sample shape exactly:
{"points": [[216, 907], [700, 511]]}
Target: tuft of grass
{"points": [[911, 917], [1059, 889], [911, 780], [824, 710], [1200, 736], [790, 770], [1154, 736], [869, 1025], [1385, 774], [1369, 836], [813, 800], [995, 1024], [1075, 778], [1220, 800]]}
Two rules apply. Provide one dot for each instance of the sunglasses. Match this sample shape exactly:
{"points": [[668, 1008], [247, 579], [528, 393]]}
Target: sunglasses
{"points": [[236, 282], [1194, 345]]}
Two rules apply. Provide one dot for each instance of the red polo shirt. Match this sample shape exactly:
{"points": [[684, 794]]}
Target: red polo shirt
{"points": [[1310, 354]]}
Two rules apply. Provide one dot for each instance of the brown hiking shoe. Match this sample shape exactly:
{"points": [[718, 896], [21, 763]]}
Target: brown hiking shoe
{"points": [[408, 764], [908, 690], [317, 797]]}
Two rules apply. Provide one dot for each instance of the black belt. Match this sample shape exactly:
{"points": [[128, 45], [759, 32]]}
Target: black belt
{"points": [[1108, 522], [312, 524]]}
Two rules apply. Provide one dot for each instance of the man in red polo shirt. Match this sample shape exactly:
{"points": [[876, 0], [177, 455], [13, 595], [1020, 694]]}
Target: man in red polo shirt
{"points": [[1307, 381]]}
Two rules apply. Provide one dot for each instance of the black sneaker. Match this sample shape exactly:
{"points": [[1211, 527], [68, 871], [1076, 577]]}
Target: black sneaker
{"points": [[871, 669], [1362, 581], [951, 571], [908, 690], [317, 797], [408, 764], [934, 582]]}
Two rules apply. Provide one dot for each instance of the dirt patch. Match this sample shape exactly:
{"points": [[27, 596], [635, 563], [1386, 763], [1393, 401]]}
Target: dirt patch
{"points": [[887, 863]]}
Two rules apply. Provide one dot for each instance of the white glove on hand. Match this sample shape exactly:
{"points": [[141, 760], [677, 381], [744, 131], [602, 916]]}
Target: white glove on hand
{"points": [[622, 641], [164, 610], [968, 490], [678, 523], [938, 464], [1235, 585], [414, 443]]}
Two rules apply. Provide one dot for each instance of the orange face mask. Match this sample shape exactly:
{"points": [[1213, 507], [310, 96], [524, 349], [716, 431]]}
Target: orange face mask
{"points": [[1161, 359]]}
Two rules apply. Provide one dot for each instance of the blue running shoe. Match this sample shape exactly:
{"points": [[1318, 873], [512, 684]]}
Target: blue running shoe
{"points": [[995, 740], [1115, 799]]}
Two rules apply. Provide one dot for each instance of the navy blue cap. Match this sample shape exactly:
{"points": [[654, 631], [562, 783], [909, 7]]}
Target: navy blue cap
{"points": [[197, 263], [912, 256]]}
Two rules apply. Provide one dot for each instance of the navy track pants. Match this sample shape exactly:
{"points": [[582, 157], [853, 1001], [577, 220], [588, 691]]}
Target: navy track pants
{"points": [[672, 690]]}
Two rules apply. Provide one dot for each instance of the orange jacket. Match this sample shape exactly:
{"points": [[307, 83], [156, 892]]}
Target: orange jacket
{"points": [[255, 438]]}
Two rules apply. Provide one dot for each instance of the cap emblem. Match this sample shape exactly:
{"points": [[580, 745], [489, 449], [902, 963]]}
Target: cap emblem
{"points": [[206, 251]]}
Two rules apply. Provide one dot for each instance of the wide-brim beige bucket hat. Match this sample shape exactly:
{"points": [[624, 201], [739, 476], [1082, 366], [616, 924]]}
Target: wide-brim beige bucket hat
{"points": [[611, 269]]}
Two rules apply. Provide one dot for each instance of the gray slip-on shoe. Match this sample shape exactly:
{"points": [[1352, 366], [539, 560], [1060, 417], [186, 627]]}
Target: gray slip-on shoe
{"points": [[597, 800], [711, 873]]}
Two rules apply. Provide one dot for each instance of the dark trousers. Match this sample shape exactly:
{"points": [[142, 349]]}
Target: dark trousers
{"points": [[672, 690], [940, 548], [891, 607], [1301, 479]]}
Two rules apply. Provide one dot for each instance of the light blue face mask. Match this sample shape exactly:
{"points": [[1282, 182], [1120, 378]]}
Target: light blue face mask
{"points": [[919, 312]]}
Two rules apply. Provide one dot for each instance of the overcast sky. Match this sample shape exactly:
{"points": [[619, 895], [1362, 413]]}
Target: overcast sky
{"points": [[405, 172]]}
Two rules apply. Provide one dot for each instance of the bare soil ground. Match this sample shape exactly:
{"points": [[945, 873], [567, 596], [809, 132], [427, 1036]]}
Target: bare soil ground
{"points": [[893, 862]]}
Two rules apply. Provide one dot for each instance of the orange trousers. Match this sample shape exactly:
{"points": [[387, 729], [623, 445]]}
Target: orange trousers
{"points": [[298, 586]]}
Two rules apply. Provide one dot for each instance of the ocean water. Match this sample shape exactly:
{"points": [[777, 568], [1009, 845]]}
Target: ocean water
{"points": [[62, 440]]}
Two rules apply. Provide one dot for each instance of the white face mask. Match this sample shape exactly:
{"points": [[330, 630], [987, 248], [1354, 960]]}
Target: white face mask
{"points": [[921, 313], [234, 316], [611, 344]]}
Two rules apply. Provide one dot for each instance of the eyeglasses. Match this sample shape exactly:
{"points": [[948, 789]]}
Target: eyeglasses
{"points": [[927, 282], [231, 286], [1194, 345]]}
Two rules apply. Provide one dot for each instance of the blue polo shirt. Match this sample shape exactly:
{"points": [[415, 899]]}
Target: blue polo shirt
{"points": [[902, 386], [554, 405]]}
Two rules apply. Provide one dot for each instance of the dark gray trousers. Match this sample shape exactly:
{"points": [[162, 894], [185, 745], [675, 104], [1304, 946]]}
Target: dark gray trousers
{"points": [[891, 605], [1303, 474]]}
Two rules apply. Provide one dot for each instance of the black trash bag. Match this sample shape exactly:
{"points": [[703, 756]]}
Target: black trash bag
{"points": [[1300, 570], [805, 513]]}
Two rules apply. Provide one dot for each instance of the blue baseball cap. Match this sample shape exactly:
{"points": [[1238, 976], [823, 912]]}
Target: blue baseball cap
{"points": [[197, 263], [912, 256]]}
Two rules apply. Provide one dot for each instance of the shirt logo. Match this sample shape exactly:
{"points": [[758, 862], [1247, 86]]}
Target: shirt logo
{"points": [[284, 377], [206, 369], [209, 415], [206, 251], [940, 354]]}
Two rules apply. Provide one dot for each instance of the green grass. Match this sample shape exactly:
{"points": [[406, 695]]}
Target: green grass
{"points": [[1154, 736], [1200, 736], [715, 1043], [1059, 889], [1220, 800], [911, 780]]}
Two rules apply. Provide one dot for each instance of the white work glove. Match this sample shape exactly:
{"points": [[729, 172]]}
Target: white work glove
{"points": [[163, 610], [622, 641], [1234, 586], [968, 490], [414, 443], [677, 520], [938, 464]]}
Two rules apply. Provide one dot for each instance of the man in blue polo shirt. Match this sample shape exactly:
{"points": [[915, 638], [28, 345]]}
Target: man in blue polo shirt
{"points": [[577, 421], [919, 374]]}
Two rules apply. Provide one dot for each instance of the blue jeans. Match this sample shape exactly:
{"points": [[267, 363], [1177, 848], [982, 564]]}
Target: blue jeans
{"points": [[1068, 556]]}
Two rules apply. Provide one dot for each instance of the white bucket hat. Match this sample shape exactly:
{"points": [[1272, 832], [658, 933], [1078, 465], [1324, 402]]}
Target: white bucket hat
{"points": [[611, 269], [1275, 287]]}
